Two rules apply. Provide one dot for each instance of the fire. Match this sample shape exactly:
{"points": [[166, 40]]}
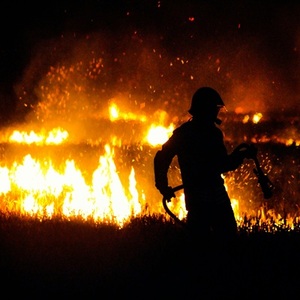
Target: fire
{"points": [[38, 189], [55, 136], [178, 206], [116, 114], [107, 127], [160, 129], [157, 135], [235, 207], [255, 118], [113, 112]]}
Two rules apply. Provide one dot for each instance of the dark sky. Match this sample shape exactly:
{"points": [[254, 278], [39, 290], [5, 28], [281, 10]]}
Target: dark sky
{"points": [[257, 41]]}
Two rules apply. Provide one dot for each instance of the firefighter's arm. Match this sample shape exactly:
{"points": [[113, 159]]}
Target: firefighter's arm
{"points": [[241, 152]]}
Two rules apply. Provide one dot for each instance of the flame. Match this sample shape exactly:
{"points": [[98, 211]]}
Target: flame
{"points": [[113, 112], [158, 134], [77, 91], [255, 118], [37, 187], [178, 206], [116, 114], [235, 207], [55, 136], [41, 190]]}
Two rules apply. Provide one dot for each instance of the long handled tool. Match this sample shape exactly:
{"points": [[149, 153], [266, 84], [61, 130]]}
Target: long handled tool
{"points": [[263, 179], [167, 209]]}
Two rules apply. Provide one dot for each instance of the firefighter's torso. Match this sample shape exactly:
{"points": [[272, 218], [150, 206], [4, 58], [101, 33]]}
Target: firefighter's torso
{"points": [[199, 150]]}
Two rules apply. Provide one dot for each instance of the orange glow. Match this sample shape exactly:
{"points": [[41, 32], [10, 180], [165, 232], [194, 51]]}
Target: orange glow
{"points": [[52, 172], [41, 190], [246, 119], [55, 136], [256, 118], [116, 114], [157, 135], [89, 121]]}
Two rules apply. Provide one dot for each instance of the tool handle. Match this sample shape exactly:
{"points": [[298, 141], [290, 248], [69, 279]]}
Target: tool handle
{"points": [[171, 214], [265, 183]]}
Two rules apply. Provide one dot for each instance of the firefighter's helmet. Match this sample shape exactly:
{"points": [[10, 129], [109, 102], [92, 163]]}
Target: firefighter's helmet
{"points": [[205, 99]]}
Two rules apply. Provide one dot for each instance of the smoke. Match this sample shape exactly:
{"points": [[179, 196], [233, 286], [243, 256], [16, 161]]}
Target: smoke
{"points": [[156, 58]]}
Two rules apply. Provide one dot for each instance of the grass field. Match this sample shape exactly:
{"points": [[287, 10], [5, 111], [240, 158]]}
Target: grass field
{"points": [[149, 258]]}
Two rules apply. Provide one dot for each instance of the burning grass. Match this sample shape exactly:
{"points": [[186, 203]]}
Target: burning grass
{"points": [[116, 182], [104, 169], [84, 219]]}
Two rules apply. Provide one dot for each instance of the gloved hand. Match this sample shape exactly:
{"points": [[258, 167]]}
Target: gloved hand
{"points": [[245, 151], [250, 152], [167, 192]]}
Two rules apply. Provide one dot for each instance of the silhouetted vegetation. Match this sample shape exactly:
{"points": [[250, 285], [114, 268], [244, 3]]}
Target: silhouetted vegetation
{"points": [[149, 257]]}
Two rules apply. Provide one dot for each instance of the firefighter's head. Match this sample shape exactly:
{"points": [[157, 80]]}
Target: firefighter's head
{"points": [[206, 104]]}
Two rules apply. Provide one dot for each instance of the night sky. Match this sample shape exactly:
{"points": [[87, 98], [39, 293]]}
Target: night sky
{"points": [[248, 50]]}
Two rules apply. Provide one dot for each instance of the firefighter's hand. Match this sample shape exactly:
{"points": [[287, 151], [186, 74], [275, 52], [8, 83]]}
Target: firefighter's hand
{"points": [[167, 192], [250, 152], [245, 151]]}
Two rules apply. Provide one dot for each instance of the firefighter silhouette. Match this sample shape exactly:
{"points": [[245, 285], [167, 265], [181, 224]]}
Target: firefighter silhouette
{"points": [[202, 158]]}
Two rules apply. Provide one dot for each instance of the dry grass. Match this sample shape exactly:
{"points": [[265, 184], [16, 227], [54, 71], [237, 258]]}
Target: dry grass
{"points": [[150, 257]]}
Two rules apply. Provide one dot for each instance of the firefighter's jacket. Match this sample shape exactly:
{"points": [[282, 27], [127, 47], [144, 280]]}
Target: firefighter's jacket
{"points": [[202, 158]]}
